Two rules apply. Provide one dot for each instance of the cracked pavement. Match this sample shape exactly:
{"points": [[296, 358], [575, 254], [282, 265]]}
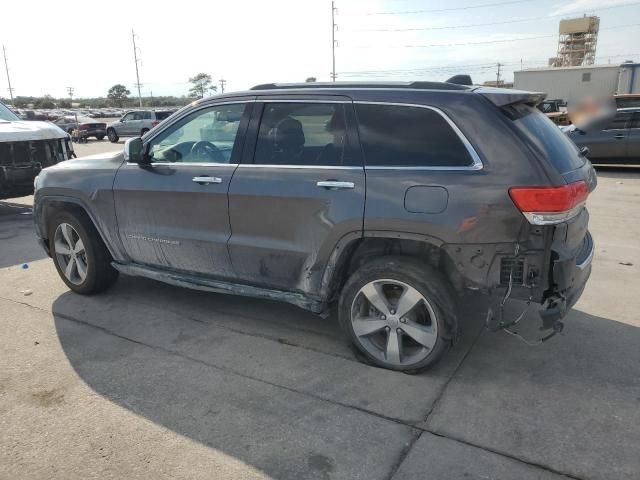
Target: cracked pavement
{"points": [[152, 381]]}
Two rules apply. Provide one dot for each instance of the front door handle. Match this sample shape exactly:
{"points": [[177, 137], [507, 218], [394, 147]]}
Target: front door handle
{"points": [[619, 136], [207, 180], [335, 185]]}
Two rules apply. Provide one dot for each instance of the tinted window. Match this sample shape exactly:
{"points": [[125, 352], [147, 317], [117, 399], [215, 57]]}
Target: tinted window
{"points": [[162, 115], [635, 123], [408, 136], [620, 121], [627, 102], [546, 137], [205, 136], [146, 115], [302, 134]]}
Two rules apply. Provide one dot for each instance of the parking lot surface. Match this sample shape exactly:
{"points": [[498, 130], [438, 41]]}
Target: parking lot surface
{"points": [[152, 381]]}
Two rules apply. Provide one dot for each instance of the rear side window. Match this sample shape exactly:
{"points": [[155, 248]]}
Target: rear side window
{"points": [[620, 121], [546, 137], [162, 115], [403, 136], [302, 134]]}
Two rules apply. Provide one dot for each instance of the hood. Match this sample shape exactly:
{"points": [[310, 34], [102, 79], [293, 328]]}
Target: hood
{"points": [[21, 131]]}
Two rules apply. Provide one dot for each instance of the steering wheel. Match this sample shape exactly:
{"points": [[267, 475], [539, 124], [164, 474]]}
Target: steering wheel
{"points": [[204, 150]]}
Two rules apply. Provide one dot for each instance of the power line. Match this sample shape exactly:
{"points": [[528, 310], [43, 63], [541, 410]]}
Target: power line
{"points": [[6, 66], [486, 42], [451, 9], [472, 25], [461, 67]]}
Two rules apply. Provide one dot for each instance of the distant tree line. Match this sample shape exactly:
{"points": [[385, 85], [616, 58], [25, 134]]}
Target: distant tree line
{"points": [[48, 101]]}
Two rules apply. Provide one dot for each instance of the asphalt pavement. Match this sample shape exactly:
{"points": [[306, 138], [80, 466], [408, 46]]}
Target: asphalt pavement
{"points": [[148, 380]]}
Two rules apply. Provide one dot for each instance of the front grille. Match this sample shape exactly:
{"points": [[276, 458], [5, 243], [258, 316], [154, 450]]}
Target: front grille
{"points": [[512, 268], [42, 153]]}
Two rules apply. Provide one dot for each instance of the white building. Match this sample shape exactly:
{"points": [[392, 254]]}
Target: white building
{"points": [[575, 83]]}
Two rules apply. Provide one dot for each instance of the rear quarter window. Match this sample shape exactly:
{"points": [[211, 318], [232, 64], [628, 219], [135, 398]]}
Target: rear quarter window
{"points": [[541, 133], [404, 136]]}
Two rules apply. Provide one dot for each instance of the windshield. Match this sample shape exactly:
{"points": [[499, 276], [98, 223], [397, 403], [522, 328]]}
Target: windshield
{"points": [[6, 114], [546, 137]]}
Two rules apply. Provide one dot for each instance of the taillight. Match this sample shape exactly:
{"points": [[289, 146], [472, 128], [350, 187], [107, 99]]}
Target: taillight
{"points": [[154, 123], [550, 205]]}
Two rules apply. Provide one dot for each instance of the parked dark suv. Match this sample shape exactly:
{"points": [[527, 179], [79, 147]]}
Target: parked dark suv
{"points": [[390, 201]]}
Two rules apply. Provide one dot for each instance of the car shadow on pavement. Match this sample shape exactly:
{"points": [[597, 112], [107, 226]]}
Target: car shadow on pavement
{"points": [[278, 388], [19, 245]]}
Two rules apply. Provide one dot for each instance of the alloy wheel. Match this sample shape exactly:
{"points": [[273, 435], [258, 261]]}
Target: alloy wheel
{"points": [[394, 322], [70, 253]]}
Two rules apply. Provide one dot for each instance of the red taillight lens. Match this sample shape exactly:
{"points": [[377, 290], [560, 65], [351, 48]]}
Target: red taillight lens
{"points": [[154, 123], [548, 205]]}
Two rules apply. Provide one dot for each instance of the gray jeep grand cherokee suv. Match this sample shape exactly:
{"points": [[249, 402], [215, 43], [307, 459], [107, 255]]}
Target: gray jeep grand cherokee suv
{"points": [[390, 201]]}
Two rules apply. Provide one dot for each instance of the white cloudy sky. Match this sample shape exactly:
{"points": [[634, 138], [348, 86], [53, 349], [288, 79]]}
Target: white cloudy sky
{"points": [[51, 45]]}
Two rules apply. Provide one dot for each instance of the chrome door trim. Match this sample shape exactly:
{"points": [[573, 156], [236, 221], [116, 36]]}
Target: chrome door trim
{"points": [[300, 167], [186, 164], [477, 162]]}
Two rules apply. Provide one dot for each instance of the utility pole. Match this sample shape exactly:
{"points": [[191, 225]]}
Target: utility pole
{"points": [[498, 75], [135, 58], [70, 92], [334, 27], [6, 66], [223, 82], [152, 98]]}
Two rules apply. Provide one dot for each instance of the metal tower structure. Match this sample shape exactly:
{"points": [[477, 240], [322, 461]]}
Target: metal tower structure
{"points": [[577, 42]]}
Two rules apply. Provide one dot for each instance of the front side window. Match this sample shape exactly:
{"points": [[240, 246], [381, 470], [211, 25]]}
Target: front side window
{"points": [[403, 136], [127, 117], [205, 136], [302, 134]]}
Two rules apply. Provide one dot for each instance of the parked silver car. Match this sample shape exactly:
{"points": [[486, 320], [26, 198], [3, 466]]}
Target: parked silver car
{"points": [[136, 123]]}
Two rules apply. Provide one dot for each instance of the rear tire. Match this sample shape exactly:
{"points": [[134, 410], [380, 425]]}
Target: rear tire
{"points": [[112, 135], [398, 314], [81, 258], [144, 130]]}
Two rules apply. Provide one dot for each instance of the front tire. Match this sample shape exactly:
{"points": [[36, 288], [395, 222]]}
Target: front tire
{"points": [[398, 314], [112, 135], [81, 258]]}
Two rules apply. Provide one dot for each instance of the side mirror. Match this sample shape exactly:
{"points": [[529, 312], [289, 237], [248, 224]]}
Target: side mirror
{"points": [[134, 151]]}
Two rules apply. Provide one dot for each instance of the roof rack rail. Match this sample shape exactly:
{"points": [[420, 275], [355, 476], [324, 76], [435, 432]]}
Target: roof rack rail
{"points": [[422, 85]]}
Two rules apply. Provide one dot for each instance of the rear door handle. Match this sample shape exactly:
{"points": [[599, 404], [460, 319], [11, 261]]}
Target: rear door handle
{"points": [[619, 136], [207, 180], [335, 185]]}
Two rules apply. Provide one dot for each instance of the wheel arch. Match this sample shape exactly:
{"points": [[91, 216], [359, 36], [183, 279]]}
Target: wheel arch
{"points": [[350, 253], [48, 206]]}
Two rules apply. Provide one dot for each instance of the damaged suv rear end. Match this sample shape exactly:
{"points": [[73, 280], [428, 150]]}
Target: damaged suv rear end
{"points": [[551, 261], [25, 149]]}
